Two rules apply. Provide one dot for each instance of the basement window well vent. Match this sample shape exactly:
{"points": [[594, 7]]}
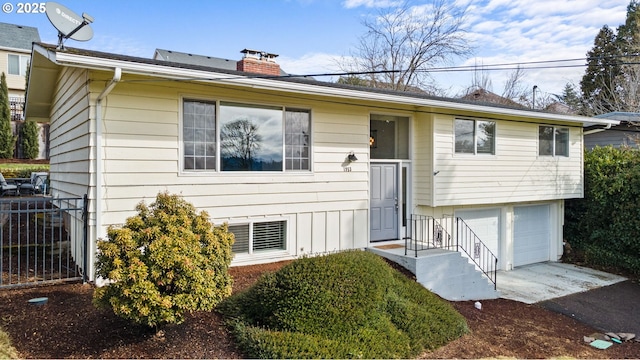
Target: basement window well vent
{"points": [[259, 236]]}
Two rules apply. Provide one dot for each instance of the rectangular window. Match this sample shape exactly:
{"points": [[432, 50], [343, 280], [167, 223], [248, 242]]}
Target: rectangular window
{"points": [[259, 236], [18, 64], [475, 136], [296, 138], [249, 137], [199, 135], [553, 141]]}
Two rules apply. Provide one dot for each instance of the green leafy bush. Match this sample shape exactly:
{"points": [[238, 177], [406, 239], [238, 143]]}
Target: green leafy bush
{"points": [[7, 351], [344, 305], [164, 262], [604, 226], [24, 171]]}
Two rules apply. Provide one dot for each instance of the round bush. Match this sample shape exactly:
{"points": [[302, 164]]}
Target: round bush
{"points": [[164, 262], [343, 305]]}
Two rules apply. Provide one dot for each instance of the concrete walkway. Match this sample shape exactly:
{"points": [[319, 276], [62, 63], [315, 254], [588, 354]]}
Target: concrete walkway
{"points": [[543, 281]]}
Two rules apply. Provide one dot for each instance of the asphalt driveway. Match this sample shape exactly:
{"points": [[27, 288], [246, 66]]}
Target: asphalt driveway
{"points": [[614, 308]]}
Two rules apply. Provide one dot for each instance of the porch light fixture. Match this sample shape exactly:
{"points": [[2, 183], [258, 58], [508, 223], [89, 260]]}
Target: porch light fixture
{"points": [[352, 157]]}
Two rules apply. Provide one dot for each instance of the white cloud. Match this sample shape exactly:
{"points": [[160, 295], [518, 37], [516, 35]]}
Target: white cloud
{"points": [[310, 64], [350, 4]]}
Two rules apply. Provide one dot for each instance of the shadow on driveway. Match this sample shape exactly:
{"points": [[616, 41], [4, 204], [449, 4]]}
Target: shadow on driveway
{"points": [[614, 308]]}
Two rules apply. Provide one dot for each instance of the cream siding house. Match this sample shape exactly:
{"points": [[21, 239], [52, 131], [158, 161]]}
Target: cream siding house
{"points": [[331, 168]]}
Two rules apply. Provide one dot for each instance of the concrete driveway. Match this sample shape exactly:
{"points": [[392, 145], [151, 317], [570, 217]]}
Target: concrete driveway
{"points": [[544, 281]]}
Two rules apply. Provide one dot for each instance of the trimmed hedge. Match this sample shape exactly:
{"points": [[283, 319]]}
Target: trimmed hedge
{"points": [[345, 305], [604, 227]]}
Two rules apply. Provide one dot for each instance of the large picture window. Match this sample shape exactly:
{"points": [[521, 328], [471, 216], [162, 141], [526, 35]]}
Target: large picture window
{"points": [[475, 136], [553, 141], [242, 137]]}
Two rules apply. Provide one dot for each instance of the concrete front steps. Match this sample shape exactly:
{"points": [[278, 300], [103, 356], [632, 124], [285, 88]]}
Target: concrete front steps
{"points": [[449, 274]]}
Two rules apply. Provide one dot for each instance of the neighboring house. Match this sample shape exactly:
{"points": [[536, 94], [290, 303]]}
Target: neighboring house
{"points": [[268, 59], [626, 133], [298, 166], [486, 96], [15, 51]]}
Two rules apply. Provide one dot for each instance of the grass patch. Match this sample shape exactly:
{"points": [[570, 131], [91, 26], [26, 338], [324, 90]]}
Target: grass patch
{"points": [[7, 351], [345, 305]]}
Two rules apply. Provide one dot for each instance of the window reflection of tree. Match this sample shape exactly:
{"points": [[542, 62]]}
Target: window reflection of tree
{"points": [[546, 140], [464, 132], [486, 136], [240, 141]]}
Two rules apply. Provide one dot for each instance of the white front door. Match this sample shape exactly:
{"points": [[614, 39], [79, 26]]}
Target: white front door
{"points": [[384, 201]]}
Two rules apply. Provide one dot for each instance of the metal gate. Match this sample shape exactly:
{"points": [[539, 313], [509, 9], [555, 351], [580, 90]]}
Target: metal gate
{"points": [[42, 240]]}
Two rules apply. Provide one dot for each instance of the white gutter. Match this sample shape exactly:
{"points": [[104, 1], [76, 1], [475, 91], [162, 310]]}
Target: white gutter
{"points": [[588, 132], [117, 75], [169, 72]]}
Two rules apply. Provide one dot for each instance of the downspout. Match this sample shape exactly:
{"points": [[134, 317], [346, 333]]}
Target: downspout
{"points": [[117, 75]]}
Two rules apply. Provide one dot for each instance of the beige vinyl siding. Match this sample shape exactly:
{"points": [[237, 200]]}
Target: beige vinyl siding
{"points": [[326, 208], [422, 164], [15, 83], [515, 173], [70, 135]]}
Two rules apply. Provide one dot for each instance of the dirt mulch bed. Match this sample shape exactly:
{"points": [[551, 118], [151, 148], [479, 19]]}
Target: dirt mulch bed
{"points": [[69, 326]]}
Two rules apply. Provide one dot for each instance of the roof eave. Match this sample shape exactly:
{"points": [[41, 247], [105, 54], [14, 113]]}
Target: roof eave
{"points": [[170, 72]]}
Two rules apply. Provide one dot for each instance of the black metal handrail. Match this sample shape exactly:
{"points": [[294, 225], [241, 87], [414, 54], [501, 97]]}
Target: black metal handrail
{"points": [[425, 232], [476, 250]]}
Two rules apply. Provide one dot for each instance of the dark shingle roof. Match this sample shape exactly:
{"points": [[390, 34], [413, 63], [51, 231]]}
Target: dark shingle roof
{"points": [[18, 36], [286, 78], [199, 60]]}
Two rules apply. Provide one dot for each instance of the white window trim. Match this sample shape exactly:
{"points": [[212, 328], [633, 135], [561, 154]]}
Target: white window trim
{"points": [[475, 140], [20, 69], [553, 142], [218, 171], [264, 253]]}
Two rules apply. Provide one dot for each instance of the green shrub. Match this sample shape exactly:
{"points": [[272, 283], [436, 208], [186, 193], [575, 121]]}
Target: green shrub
{"points": [[7, 351], [29, 139], [22, 171], [604, 226], [344, 305], [164, 262]]}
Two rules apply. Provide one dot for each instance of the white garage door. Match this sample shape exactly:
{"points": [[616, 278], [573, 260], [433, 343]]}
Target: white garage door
{"points": [[485, 224], [531, 234]]}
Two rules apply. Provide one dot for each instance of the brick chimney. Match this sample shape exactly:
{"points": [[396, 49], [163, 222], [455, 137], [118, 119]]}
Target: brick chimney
{"points": [[258, 62]]}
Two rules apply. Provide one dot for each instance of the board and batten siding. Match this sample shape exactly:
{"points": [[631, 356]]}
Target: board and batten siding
{"points": [[326, 209], [516, 172]]}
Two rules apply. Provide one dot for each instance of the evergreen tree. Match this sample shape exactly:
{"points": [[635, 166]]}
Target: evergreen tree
{"points": [[7, 140], [628, 38], [29, 139], [570, 97], [597, 84]]}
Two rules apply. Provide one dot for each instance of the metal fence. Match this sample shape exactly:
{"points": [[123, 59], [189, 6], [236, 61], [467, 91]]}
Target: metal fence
{"points": [[42, 239]]}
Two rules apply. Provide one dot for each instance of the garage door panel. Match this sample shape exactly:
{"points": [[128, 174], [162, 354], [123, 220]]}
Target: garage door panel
{"points": [[531, 234], [485, 224]]}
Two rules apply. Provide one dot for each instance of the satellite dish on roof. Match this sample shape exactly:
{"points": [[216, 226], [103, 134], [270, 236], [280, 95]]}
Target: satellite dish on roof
{"points": [[68, 23]]}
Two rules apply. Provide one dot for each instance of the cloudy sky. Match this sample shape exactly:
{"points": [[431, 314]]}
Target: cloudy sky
{"points": [[310, 35]]}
